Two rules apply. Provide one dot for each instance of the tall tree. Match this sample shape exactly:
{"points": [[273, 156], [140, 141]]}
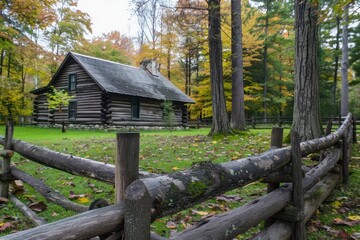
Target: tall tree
{"points": [[111, 46], [306, 116], [220, 121], [276, 19], [238, 109], [149, 13], [345, 63], [70, 27]]}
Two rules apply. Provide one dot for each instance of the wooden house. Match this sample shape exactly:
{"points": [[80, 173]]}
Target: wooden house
{"points": [[110, 93]]}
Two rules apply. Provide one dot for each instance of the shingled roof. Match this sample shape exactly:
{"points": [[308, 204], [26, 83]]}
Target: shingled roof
{"points": [[123, 79]]}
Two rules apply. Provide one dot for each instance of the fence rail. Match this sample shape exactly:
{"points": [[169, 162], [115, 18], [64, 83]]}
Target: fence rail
{"points": [[155, 196], [261, 122]]}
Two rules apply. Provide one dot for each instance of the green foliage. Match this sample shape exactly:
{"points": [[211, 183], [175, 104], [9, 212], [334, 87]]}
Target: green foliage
{"points": [[70, 26], [58, 99], [111, 46], [13, 102], [168, 112]]}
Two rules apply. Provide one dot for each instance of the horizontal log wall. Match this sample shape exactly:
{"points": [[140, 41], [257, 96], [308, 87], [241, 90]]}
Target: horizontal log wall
{"points": [[151, 112], [41, 110], [87, 96]]}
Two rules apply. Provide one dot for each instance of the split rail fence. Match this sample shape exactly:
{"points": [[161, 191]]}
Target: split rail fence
{"points": [[294, 191]]}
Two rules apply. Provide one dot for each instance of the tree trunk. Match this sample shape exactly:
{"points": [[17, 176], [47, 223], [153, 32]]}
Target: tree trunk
{"points": [[306, 116], [9, 64], [266, 72], [2, 61], [238, 110], [220, 121], [345, 64], [336, 68]]}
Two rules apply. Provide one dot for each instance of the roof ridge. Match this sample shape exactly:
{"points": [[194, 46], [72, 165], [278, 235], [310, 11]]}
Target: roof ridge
{"points": [[103, 60]]}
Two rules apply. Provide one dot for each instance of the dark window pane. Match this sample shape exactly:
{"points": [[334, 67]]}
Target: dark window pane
{"points": [[72, 82], [135, 108], [72, 110]]}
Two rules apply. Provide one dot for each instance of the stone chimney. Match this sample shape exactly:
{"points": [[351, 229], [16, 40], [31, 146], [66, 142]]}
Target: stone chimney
{"points": [[150, 65]]}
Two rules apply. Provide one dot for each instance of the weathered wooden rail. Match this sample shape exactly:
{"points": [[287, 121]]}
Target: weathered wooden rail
{"points": [[155, 196]]}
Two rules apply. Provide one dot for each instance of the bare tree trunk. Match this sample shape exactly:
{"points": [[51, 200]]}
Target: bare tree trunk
{"points": [[1, 60], [220, 120], [266, 72], [238, 110], [336, 60], [306, 116], [345, 64]]}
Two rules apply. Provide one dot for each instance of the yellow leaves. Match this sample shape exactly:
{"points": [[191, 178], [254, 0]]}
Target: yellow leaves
{"points": [[175, 168], [83, 200], [201, 213], [354, 218], [336, 204]]}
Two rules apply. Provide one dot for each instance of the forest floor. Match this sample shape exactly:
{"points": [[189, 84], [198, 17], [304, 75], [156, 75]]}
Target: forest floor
{"points": [[164, 152]]}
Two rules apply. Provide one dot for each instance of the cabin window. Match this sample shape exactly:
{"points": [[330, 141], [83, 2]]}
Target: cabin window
{"points": [[72, 82], [135, 108], [72, 110]]}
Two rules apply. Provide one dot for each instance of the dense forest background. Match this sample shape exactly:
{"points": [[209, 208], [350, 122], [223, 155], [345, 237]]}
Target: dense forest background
{"points": [[35, 35]]}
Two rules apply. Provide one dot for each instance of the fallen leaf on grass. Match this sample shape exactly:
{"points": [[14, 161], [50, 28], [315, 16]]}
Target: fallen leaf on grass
{"points": [[228, 198], [38, 206], [354, 218], [30, 197], [171, 225], [330, 230], [336, 204], [339, 221], [83, 200], [201, 213], [5, 226], [69, 183], [343, 235], [76, 196]]}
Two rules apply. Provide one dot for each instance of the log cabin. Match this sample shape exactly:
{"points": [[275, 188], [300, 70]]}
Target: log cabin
{"points": [[111, 94]]}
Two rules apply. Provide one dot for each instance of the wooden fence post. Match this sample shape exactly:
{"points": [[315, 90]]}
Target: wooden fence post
{"points": [[327, 132], [127, 162], [345, 159], [137, 213], [276, 142], [5, 175], [253, 122], [297, 189]]}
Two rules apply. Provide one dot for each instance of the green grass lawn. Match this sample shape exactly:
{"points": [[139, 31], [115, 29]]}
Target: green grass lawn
{"points": [[162, 152]]}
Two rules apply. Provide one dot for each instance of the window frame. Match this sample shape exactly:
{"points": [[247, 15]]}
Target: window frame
{"points": [[135, 108], [72, 82], [72, 110]]}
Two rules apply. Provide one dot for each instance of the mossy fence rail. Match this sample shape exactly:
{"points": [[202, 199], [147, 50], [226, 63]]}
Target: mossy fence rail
{"points": [[142, 198]]}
